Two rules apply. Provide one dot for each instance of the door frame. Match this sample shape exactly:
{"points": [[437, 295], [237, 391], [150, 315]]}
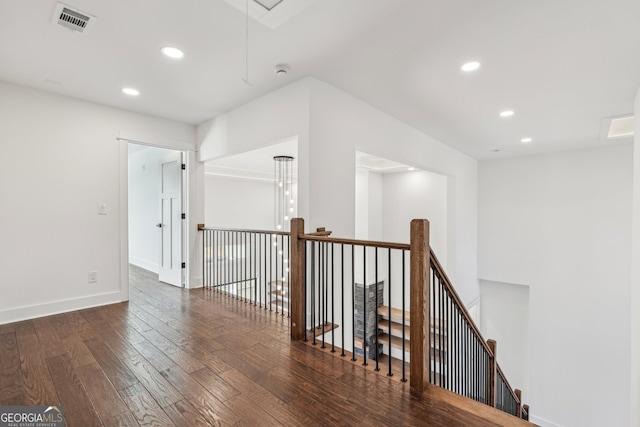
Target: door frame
{"points": [[188, 151]]}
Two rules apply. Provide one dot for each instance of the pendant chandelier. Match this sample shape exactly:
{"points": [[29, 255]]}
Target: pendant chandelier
{"points": [[284, 202]]}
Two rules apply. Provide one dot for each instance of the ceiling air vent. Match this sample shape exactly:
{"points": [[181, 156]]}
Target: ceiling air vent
{"points": [[72, 19]]}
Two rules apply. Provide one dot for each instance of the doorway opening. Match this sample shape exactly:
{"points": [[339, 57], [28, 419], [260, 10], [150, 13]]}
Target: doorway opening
{"points": [[157, 212]]}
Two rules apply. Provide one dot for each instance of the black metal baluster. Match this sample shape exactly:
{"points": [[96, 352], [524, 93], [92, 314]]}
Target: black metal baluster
{"points": [[353, 304], [259, 278], [313, 291], [446, 326], [283, 275], [205, 241], [256, 268], [390, 373], [364, 304], [342, 298], [375, 310], [404, 285], [244, 279], [277, 277], [443, 367], [434, 344], [304, 288], [267, 297], [333, 339], [322, 295]]}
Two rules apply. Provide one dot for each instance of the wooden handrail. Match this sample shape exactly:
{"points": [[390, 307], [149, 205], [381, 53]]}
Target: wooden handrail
{"points": [[369, 243], [201, 227], [435, 264], [504, 380]]}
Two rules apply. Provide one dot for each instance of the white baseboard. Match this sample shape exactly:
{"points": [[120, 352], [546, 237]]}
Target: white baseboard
{"points": [[147, 265], [47, 309], [542, 422], [196, 283]]}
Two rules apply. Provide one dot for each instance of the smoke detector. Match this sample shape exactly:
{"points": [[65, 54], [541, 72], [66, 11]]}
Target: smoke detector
{"points": [[72, 19], [281, 70]]}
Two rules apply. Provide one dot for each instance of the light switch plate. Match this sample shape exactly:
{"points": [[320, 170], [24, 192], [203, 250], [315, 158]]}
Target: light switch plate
{"points": [[102, 209]]}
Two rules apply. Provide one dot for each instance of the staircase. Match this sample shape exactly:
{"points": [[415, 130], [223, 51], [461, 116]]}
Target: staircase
{"points": [[391, 331], [279, 295]]}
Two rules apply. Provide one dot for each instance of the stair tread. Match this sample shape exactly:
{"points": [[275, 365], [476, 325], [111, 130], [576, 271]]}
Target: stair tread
{"points": [[278, 282], [327, 328], [396, 329], [396, 316], [278, 303], [397, 343], [280, 293]]}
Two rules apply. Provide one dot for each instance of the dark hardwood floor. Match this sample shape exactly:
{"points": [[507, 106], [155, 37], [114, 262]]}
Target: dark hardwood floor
{"points": [[198, 358]]}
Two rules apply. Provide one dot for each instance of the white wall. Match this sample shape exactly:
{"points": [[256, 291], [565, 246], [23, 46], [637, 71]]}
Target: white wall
{"points": [[238, 203], [362, 205], [635, 275], [561, 224], [504, 317], [331, 125], [61, 159], [340, 126], [369, 205], [273, 118], [417, 194]]}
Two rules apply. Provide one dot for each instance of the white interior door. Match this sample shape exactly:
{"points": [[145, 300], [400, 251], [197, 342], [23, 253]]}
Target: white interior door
{"points": [[171, 220]]}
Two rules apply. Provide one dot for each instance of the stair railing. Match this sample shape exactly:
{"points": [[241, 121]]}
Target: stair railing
{"points": [[382, 296], [446, 348], [338, 290], [251, 265]]}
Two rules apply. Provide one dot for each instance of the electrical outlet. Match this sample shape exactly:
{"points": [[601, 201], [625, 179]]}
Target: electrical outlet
{"points": [[93, 276]]}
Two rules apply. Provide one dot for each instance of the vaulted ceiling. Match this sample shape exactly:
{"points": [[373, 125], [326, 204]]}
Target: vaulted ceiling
{"points": [[563, 67]]}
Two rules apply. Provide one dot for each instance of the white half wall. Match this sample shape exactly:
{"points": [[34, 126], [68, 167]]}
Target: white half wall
{"points": [[561, 225], [238, 203], [62, 160]]}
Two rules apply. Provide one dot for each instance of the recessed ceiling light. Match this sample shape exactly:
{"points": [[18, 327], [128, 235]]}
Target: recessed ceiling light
{"points": [[131, 91], [507, 113], [470, 66], [172, 52], [526, 140], [411, 168]]}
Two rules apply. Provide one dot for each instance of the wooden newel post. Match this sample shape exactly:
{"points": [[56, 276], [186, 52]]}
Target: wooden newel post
{"points": [[492, 375], [419, 305], [519, 408], [526, 409], [297, 279]]}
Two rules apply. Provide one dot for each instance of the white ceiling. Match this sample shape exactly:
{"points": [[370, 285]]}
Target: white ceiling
{"points": [[562, 66]]}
